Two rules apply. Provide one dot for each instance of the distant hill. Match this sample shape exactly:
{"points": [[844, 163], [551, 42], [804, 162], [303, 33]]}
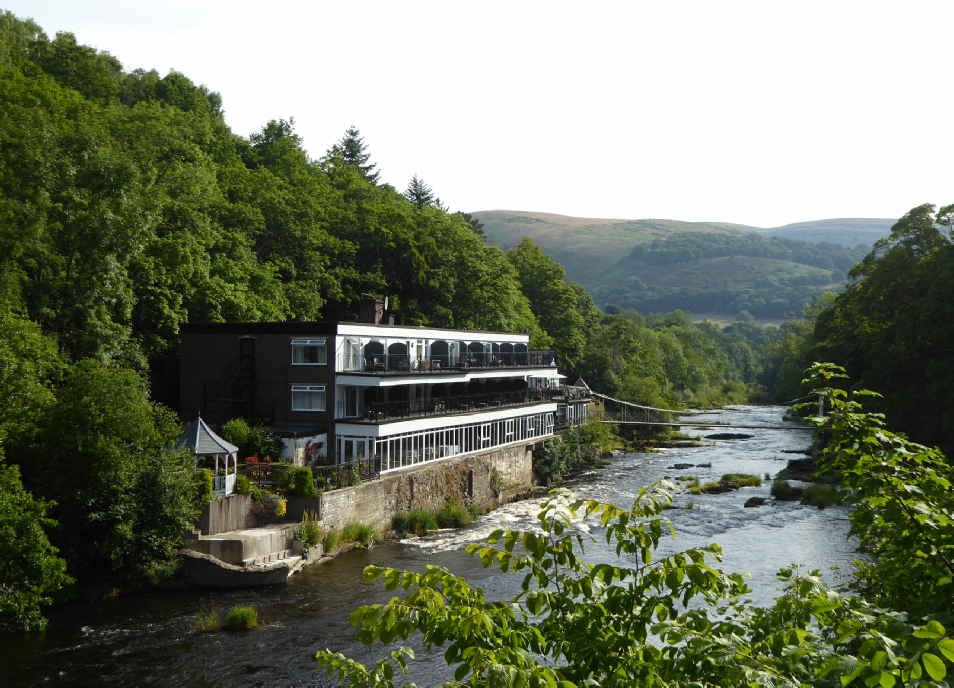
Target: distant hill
{"points": [[847, 231], [701, 267], [587, 247]]}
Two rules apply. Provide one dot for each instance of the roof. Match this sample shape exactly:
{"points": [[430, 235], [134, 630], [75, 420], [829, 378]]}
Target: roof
{"points": [[580, 383], [201, 441]]}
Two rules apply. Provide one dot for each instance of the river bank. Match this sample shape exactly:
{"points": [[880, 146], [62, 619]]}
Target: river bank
{"points": [[148, 639]]}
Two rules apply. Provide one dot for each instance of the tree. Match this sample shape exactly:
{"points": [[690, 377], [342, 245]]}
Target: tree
{"points": [[419, 193], [678, 620], [476, 225], [30, 571], [555, 302], [122, 498], [355, 152]]}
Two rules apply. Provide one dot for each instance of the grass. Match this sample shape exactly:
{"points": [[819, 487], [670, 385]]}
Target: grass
{"points": [[819, 495], [243, 619], [729, 481], [310, 533], [738, 480], [783, 491], [687, 478], [414, 522], [330, 541], [453, 515], [705, 465], [208, 623], [359, 533]]}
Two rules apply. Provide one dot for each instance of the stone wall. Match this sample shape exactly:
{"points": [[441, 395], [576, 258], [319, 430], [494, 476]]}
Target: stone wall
{"points": [[486, 479], [235, 512]]}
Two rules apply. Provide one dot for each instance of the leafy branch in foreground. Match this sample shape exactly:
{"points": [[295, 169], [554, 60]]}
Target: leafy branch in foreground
{"points": [[678, 621]]}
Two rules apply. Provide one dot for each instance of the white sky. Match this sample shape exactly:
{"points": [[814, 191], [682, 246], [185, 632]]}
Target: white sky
{"points": [[762, 113]]}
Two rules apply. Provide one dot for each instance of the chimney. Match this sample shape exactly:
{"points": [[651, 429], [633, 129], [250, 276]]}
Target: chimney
{"points": [[373, 310]]}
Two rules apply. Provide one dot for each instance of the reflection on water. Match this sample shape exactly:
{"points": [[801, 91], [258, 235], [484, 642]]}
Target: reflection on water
{"points": [[148, 639]]}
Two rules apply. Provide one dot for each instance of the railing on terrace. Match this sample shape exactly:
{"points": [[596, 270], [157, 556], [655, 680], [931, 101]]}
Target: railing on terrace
{"points": [[438, 406], [330, 477], [401, 364]]}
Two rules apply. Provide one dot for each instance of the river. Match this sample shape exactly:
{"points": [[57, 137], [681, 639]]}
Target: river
{"points": [[147, 639]]}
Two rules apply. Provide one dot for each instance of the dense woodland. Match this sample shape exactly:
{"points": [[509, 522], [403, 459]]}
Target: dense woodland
{"points": [[128, 207], [767, 277]]}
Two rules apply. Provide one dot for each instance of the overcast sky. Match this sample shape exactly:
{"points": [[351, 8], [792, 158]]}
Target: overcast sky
{"points": [[760, 113]]}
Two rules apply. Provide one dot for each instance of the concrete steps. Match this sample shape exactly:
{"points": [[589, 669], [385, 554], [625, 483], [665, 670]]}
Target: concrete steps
{"points": [[253, 547]]}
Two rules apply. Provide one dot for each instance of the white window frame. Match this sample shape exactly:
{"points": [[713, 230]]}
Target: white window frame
{"points": [[310, 389], [301, 343]]}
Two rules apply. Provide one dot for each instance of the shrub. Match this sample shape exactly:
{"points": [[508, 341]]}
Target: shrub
{"points": [[783, 491], [236, 431], [819, 495], [415, 521], [707, 488], [354, 477], [738, 480], [453, 515], [358, 532], [264, 442], [243, 619], [203, 485], [245, 486], [303, 483], [30, 571], [310, 533], [208, 623], [474, 511], [330, 541]]}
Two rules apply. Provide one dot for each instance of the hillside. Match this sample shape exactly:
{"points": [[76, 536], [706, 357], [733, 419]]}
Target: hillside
{"points": [[847, 231], [587, 247]]}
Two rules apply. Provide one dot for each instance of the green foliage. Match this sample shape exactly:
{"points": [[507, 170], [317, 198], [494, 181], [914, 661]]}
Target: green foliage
{"points": [[576, 447], [414, 522], [243, 619], [784, 491], [739, 480], [330, 540], [236, 432], [892, 329], [902, 499], [122, 499], [31, 573], [303, 482], [743, 273], [644, 621], [453, 515], [204, 485], [818, 495], [262, 442], [207, 623], [360, 533], [310, 533]]}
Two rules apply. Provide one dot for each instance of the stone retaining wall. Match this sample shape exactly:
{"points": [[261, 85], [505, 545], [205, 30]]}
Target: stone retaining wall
{"points": [[483, 479]]}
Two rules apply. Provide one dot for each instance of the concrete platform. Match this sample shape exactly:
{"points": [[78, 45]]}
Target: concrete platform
{"points": [[251, 547]]}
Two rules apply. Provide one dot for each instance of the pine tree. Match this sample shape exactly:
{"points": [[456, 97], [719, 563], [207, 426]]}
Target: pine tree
{"points": [[475, 225], [419, 193], [355, 153]]}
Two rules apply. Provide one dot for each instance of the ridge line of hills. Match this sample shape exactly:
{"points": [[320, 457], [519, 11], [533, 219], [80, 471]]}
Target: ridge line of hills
{"points": [[721, 268]]}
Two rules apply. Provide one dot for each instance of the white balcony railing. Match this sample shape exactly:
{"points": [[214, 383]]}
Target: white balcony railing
{"points": [[223, 485]]}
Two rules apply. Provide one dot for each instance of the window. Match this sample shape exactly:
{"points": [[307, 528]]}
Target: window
{"points": [[308, 398], [309, 352]]}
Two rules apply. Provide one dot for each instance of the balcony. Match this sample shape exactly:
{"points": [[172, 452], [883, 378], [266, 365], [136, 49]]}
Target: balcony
{"points": [[403, 409], [406, 364]]}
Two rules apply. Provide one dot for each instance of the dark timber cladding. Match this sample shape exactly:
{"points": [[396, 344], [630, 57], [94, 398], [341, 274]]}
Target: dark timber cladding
{"points": [[243, 369]]}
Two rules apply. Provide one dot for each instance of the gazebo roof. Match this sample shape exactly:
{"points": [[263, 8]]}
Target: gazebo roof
{"points": [[580, 383], [201, 441]]}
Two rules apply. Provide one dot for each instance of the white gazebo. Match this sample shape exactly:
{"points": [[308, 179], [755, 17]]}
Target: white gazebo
{"points": [[201, 441]]}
